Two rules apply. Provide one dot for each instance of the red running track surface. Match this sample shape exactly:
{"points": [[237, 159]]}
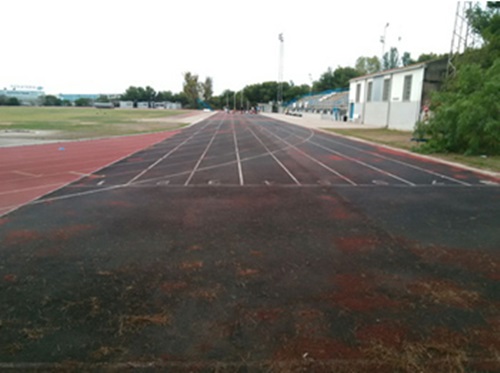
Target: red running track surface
{"points": [[30, 172]]}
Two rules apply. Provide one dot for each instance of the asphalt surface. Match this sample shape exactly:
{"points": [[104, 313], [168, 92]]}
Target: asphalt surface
{"points": [[243, 242]]}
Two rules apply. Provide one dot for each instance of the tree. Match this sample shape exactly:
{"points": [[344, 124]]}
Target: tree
{"points": [[206, 89], [181, 98], [391, 59], [406, 59], [467, 115], [149, 95], [9, 101], [83, 102], [486, 24], [102, 98], [424, 57], [467, 112], [367, 65], [164, 96], [335, 79], [292, 91], [51, 100], [190, 88], [131, 94]]}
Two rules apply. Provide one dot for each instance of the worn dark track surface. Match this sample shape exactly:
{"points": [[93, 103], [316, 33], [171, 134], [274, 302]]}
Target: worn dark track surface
{"points": [[246, 243]]}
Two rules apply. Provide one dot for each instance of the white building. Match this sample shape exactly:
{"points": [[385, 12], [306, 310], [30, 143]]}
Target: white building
{"points": [[395, 98], [27, 95], [126, 104]]}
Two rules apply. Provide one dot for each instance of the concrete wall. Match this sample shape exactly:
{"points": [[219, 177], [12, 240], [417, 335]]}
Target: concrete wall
{"points": [[404, 115], [376, 113]]}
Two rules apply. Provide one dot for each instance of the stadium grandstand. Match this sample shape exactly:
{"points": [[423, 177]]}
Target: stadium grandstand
{"points": [[331, 102]]}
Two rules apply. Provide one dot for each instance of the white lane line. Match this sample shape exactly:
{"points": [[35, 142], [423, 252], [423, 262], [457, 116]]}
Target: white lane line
{"points": [[15, 191], [275, 158], [79, 194], [165, 156], [397, 161], [22, 173], [237, 151], [362, 163], [206, 168], [203, 155], [83, 174], [314, 159]]}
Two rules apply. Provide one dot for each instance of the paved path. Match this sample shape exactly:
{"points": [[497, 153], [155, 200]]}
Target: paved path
{"points": [[243, 241], [315, 121]]}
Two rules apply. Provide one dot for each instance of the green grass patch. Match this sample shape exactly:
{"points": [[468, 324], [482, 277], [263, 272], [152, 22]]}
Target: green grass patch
{"points": [[87, 122], [402, 140]]}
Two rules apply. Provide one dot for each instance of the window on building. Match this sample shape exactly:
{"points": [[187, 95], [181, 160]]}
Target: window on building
{"points": [[407, 88], [369, 92], [386, 90], [358, 92]]}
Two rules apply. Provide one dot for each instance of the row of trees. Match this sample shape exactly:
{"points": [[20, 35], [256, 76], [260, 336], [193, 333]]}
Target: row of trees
{"points": [[47, 100], [9, 101], [467, 111]]}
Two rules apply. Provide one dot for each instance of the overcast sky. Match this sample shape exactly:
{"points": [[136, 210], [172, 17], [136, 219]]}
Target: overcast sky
{"points": [[104, 46]]}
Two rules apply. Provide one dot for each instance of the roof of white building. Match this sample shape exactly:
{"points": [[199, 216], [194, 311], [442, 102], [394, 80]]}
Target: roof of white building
{"points": [[391, 71]]}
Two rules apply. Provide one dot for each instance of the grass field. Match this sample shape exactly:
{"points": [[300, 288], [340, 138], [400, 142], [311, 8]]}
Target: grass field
{"points": [[401, 139], [68, 123]]}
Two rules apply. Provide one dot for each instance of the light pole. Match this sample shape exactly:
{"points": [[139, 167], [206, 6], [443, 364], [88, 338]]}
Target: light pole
{"points": [[383, 40], [280, 72]]}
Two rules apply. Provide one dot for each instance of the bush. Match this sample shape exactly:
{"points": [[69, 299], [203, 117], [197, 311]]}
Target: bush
{"points": [[467, 115]]}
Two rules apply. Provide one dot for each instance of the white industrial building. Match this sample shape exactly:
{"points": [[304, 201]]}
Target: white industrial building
{"points": [[395, 98], [27, 95]]}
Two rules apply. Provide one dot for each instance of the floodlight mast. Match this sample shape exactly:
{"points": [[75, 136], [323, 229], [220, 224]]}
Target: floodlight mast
{"points": [[280, 71], [383, 40], [462, 37]]}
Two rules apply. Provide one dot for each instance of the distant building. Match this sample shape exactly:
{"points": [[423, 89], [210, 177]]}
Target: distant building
{"points": [[265, 108], [395, 98], [72, 97], [143, 105], [126, 104], [167, 105], [103, 105], [27, 95]]}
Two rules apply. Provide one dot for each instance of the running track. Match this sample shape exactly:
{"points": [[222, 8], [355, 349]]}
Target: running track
{"points": [[30, 172], [245, 241]]}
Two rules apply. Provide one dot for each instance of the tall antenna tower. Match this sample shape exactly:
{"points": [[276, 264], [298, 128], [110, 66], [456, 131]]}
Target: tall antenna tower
{"points": [[463, 37], [280, 71]]}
